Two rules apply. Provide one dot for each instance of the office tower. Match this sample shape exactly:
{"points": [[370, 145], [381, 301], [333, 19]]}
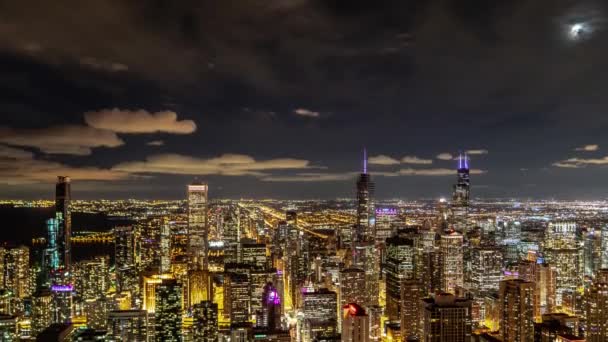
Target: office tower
{"points": [[462, 193], [271, 309], [96, 312], [238, 297], [368, 259], [352, 286], [597, 310], [452, 262], [604, 262], [563, 249], [168, 311], [42, 313], [258, 280], [554, 326], [199, 286], [544, 277], [63, 215], [205, 316], [412, 293], [447, 318], [127, 325], [592, 252], [149, 286], [320, 309], [63, 305], [16, 271], [197, 223], [365, 189], [165, 246], [486, 268], [253, 254], [92, 277], [355, 324], [231, 233], [125, 251], [386, 217], [517, 310], [400, 264]]}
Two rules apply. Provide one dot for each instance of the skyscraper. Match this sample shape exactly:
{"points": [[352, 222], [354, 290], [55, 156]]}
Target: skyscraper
{"points": [[412, 293], [197, 223], [127, 325], [355, 324], [462, 190], [320, 310], [452, 262], [365, 207], [517, 310], [63, 197], [168, 311], [597, 310], [271, 308], [447, 318], [205, 316]]}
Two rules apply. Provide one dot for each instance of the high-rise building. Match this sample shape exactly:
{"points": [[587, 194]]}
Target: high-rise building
{"points": [[42, 312], [447, 318], [16, 269], [168, 311], [238, 297], [452, 261], [63, 215], [126, 251], [412, 293], [462, 193], [127, 325], [597, 309], [517, 310], [320, 309], [563, 249], [355, 324], [386, 218], [197, 223], [199, 286], [544, 277], [486, 268], [205, 316], [253, 254], [352, 286], [92, 277], [271, 309], [365, 207], [52, 259]]}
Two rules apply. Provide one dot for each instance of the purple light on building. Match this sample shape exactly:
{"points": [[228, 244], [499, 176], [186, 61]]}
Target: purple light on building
{"points": [[62, 288], [387, 212], [273, 298]]}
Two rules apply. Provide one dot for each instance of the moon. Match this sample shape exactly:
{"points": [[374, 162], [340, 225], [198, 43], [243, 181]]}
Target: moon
{"points": [[579, 31]]}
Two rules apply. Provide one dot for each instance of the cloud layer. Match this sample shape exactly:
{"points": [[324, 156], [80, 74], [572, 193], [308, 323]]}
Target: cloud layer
{"points": [[577, 163], [20, 167], [306, 113], [72, 139], [588, 148], [225, 165], [387, 160], [139, 121]]}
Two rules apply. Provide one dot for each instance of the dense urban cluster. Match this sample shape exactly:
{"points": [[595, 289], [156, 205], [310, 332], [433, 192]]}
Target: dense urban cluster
{"points": [[362, 271]]}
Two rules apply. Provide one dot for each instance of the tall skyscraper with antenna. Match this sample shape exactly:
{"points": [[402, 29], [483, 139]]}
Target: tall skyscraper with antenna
{"points": [[462, 193], [365, 190]]}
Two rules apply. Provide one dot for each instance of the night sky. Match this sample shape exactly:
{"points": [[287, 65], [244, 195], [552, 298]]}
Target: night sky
{"points": [[278, 98]]}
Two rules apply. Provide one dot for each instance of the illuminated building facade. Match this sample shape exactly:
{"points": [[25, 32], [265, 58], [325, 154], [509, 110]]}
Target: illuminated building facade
{"points": [[205, 316], [126, 251], [386, 217], [168, 311], [320, 309], [271, 309], [544, 277], [364, 228], [452, 262], [352, 286], [447, 318], [127, 325], [517, 310], [197, 223], [597, 310], [563, 249], [486, 269], [63, 215], [355, 324], [52, 260], [412, 293], [462, 192], [199, 287], [238, 297], [42, 312]]}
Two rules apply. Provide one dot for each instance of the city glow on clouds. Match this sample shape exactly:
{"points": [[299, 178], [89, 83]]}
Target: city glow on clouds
{"points": [[416, 160], [307, 113], [72, 139], [350, 176], [156, 143], [476, 152], [445, 156], [139, 121], [20, 167], [588, 148], [577, 163], [97, 64], [382, 160], [226, 165], [387, 160]]}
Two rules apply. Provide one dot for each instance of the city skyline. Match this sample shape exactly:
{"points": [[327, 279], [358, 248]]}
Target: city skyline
{"points": [[285, 113]]}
